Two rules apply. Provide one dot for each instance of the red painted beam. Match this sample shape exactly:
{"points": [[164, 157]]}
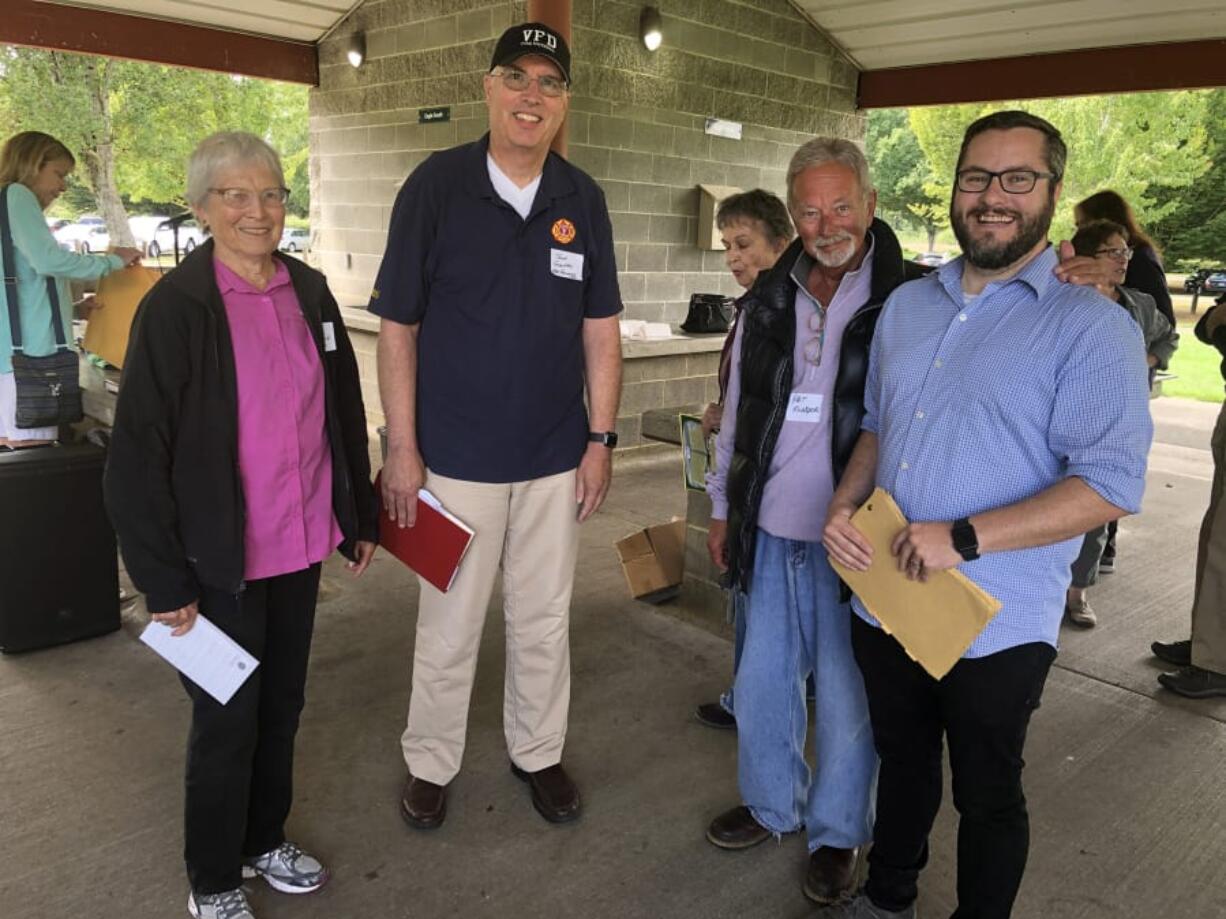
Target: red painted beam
{"points": [[1137, 68], [91, 31]]}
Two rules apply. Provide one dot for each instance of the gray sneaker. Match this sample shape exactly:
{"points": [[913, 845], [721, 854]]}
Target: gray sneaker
{"points": [[230, 904], [861, 907], [287, 869]]}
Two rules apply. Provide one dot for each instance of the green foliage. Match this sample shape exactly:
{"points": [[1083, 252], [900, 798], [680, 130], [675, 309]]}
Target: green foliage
{"points": [[1155, 149], [1194, 231], [901, 174], [157, 116]]}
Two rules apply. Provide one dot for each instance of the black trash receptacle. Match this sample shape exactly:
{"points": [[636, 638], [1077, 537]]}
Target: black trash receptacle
{"points": [[59, 577]]}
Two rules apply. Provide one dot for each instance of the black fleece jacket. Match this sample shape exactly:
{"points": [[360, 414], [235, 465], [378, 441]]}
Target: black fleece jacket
{"points": [[172, 483]]}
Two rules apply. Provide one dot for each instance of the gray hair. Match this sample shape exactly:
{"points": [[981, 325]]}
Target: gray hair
{"points": [[226, 148], [822, 150]]}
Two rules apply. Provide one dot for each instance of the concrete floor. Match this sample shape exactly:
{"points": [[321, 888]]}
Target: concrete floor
{"points": [[1127, 799]]}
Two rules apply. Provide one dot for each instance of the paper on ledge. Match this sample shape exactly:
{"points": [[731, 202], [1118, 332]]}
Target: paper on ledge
{"points": [[935, 620], [205, 655]]}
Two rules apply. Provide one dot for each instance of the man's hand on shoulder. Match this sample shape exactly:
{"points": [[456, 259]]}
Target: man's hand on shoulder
{"points": [[404, 474], [1084, 270], [920, 548], [592, 479]]}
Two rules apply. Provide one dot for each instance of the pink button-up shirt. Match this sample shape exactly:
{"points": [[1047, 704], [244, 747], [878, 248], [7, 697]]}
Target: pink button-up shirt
{"points": [[283, 452]]}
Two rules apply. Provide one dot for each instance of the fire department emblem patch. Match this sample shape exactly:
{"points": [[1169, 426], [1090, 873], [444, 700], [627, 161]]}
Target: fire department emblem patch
{"points": [[563, 231]]}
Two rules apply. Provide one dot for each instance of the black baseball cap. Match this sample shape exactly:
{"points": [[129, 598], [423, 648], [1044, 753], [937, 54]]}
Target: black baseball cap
{"points": [[532, 38]]}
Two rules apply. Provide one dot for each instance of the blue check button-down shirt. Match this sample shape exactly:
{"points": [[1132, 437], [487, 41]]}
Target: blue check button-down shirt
{"points": [[983, 403]]}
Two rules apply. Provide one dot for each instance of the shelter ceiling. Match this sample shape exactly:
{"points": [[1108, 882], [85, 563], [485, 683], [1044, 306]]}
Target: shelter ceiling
{"points": [[880, 34]]}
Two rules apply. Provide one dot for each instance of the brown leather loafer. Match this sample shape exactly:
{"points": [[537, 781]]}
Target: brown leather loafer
{"points": [[554, 795], [423, 805], [736, 829], [831, 874]]}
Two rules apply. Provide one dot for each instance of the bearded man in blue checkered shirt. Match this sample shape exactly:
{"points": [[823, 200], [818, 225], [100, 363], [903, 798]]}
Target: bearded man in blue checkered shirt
{"points": [[1007, 413]]}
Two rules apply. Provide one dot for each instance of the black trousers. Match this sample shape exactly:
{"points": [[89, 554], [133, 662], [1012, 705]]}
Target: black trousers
{"points": [[240, 756], [981, 708]]}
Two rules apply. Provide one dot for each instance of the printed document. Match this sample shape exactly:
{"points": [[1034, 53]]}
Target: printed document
{"points": [[205, 655]]}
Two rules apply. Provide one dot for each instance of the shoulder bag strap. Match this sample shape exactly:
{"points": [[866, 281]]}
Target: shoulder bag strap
{"points": [[10, 284], [10, 270]]}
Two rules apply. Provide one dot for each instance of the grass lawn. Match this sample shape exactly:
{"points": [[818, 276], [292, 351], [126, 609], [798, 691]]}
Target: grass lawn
{"points": [[1197, 365]]}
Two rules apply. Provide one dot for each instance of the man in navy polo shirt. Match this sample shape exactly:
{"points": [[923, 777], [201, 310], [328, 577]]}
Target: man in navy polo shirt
{"points": [[498, 297]]}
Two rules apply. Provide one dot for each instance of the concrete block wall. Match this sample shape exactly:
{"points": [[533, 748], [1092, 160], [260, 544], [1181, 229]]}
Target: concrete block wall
{"points": [[636, 123]]}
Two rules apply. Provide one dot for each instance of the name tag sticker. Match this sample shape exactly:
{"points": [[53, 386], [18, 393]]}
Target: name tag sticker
{"points": [[567, 265], [329, 337], [805, 407]]}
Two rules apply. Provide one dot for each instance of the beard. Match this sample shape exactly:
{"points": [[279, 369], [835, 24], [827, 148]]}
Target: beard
{"points": [[840, 256], [990, 255]]}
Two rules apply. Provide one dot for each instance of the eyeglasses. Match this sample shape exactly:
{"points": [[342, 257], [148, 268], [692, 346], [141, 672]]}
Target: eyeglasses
{"points": [[242, 198], [1013, 181], [517, 82], [1120, 254], [813, 347]]}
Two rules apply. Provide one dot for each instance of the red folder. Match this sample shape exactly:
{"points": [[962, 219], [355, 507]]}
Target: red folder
{"points": [[433, 547]]}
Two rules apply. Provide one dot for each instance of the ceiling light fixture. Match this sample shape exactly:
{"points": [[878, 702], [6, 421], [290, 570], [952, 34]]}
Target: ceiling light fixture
{"points": [[649, 28], [356, 52]]}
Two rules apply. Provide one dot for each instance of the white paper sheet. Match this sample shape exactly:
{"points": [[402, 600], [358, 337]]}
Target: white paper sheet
{"points": [[205, 655]]}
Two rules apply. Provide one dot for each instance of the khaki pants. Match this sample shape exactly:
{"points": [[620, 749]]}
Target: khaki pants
{"points": [[531, 530], [1209, 603]]}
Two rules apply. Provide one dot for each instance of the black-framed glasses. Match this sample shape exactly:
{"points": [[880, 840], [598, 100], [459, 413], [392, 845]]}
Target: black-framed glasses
{"points": [[1013, 181], [517, 82], [242, 198], [1118, 253]]}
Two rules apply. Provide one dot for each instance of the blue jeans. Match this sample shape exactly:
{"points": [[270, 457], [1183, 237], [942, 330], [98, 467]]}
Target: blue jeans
{"points": [[736, 609], [796, 625]]}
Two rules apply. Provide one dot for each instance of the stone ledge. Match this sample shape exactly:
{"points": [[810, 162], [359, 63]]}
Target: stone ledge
{"points": [[678, 344]]}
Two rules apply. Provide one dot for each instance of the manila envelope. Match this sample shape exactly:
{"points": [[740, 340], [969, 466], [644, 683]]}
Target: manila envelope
{"points": [[119, 293], [935, 620]]}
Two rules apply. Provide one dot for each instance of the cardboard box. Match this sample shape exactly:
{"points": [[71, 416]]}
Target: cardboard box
{"points": [[653, 561]]}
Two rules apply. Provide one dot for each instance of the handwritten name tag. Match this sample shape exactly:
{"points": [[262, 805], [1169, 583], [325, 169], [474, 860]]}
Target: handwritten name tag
{"points": [[805, 407], [565, 264]]}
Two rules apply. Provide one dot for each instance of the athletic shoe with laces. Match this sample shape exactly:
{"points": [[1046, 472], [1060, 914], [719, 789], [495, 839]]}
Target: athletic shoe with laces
{"points": [[287, 869], [229, 904]]}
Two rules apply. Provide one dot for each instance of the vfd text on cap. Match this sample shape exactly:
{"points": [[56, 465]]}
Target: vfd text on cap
{"points": [[532, 38]]}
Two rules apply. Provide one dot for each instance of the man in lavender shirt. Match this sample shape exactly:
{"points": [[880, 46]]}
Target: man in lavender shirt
{"points": [[791, 417]]}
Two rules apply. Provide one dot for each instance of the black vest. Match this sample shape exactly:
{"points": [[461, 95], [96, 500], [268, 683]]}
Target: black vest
{"points": [[768, 342]]}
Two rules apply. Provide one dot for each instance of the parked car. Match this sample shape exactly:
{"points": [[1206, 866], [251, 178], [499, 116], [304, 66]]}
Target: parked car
{"points": [[295, 239], [931, 259], [1192, 283], [190, 236], [96, 238], [1215, 283], [71, 235]]}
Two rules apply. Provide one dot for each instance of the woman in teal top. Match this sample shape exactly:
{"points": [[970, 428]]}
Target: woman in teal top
{"points": [[36, 165]]}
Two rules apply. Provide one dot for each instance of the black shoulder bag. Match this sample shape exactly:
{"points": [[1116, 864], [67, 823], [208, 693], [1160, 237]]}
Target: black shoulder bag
{"points": [[708, 313], [48, 388]]}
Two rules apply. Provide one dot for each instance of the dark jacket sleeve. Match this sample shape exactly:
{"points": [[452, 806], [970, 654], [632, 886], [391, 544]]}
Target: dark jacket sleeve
{"points": [[137, 484], [352, 414], [1145, 275]]}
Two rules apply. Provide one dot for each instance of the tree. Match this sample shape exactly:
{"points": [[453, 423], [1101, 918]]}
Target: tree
{"points": [[133, 125], [1194, 230], [1141, 145], [69, 96], [901, 173]]}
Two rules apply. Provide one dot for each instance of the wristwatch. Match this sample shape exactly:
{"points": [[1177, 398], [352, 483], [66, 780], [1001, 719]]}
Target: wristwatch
{"points": [[965, 540], [608, 438]]}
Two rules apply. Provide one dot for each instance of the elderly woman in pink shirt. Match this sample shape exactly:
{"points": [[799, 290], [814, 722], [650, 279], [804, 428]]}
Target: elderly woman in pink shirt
{"points": [[238, 463]]}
